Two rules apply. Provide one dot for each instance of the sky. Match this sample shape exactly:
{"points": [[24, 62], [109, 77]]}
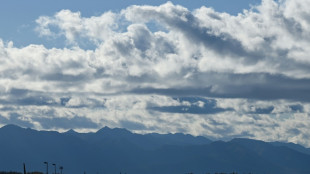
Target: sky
{"points": [[221, 69]]}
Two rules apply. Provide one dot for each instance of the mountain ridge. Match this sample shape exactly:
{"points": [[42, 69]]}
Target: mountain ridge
{"points": [[114, 150]]}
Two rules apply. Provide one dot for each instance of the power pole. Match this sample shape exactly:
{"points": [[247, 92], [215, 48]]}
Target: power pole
{"points": [[25, 169], [46, 167], [55, 167], [61, 169]]}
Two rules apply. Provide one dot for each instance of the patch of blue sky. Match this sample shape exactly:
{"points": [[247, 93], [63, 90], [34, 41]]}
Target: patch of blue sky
{"points": [[18, 17]]}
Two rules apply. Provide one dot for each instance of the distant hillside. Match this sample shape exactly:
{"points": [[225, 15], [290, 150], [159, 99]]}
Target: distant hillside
{"points": [[117, 150], [293, 146]]}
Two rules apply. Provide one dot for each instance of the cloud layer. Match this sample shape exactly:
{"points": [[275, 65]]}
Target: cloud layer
{"points": [[166, 69]]}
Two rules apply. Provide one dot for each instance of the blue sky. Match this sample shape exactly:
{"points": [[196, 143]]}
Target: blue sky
{"points": [[220, 69], [19, 17]]}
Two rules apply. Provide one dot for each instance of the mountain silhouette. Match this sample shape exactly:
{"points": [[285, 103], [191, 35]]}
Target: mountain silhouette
{"points": [[109, 151], [293, 146]]}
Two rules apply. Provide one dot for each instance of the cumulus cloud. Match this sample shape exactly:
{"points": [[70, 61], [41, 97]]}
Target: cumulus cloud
{"points": [[201, 72], [72, 25], [192, 49]]}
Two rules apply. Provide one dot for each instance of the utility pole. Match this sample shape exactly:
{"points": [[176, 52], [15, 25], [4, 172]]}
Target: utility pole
{"points": [[55, 167], [61, 169], [46, 167], [25, 169]]}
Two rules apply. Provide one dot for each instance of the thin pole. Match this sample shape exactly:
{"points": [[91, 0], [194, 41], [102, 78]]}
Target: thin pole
{"points": [[55, 168], [61, 169], [25, 169], [46, 167]]}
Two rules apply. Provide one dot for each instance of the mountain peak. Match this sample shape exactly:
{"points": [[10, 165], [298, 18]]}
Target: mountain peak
{"points": [[107, 130], [11, 127], [71, 131], [104, 129]]}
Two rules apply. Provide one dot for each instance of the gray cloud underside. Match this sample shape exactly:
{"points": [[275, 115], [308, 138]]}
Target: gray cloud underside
{"points": [[223, 85]]}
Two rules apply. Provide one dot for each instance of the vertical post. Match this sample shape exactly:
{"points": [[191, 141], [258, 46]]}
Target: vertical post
{"points": [[55, 167], [46, 167], [25, 169], [61, 169]]}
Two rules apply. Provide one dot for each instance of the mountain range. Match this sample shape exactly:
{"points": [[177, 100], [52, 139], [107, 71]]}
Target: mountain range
{"points": [[113, 151]]}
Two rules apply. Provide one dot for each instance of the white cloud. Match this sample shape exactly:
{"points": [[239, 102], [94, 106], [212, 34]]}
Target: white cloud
{"points": [[254, 65], [267, 39], [73, 26]]}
